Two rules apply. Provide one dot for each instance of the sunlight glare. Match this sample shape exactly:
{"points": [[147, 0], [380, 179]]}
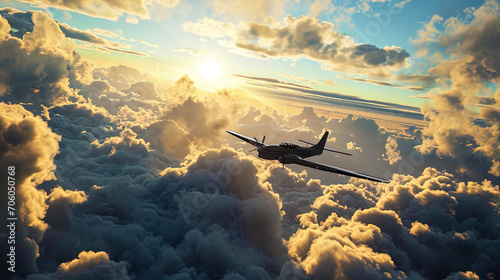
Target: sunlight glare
{"points": [[210, 69]]}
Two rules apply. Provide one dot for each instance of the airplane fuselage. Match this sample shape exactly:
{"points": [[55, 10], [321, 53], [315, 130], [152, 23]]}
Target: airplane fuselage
{"points": [[276, 152]]}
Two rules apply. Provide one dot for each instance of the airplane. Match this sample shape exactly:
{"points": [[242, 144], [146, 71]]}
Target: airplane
{"points": [[287, 153]]}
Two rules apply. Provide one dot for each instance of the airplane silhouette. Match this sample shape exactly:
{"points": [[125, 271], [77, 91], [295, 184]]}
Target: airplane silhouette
{"points": [[287, 153]]}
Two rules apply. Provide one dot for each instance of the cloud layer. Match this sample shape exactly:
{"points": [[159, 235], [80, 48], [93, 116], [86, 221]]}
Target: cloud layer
{"points": [[119, 178]]}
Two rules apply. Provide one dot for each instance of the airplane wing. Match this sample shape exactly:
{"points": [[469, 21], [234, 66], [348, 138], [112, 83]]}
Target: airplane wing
{"points": [[254, 142], [334, 169]]}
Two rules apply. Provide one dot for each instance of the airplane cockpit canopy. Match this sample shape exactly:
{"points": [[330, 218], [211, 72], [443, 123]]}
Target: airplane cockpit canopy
{"points": [[287, 145]]}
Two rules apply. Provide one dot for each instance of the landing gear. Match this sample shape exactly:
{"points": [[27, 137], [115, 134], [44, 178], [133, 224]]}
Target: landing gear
{"points": [[281, 160]]}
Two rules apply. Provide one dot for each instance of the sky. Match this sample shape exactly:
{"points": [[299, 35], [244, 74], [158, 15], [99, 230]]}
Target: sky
{"points": [[114, 116]]}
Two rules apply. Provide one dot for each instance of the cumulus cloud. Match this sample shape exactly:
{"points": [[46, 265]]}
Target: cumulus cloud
{"points": [[298, 37], [29, 145], [224, 214], [92, 265], [85, 260], [120, 76], [472, 64], [392, 153], [411, 216], [23, 23], [352, 147], [39, 72]]}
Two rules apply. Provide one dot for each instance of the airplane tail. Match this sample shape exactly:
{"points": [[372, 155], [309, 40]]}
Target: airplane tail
{"points": [[321, 144]]}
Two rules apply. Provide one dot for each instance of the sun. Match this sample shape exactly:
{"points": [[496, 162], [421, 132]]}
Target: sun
{"points": [[210, 69]]}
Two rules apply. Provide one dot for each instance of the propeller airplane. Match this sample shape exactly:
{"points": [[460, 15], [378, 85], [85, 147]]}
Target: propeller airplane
{"points": [[288, 153]]}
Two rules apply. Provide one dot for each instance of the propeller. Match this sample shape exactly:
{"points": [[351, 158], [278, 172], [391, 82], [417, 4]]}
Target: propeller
{"points": [[260, 143]]}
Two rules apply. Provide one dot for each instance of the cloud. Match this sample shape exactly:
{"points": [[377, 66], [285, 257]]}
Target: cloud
{"points": [[423, 81], [23, 22], [222, 213], [463, 276], [41, 61], [29, 146], [69, 197], [258, 10], [92, 265], [107, 49], [149, 44], [318, 7], [352, 147], [472, 64], [104, 44], [120, 76], [106, 9], [81, 35], [211, 28], [374, 82], [200, 122], [429, 32], [85, 260], [45, 69], [132, 19], [303, 37], [411, 216], [197, 52], [270, 80], [307, 94], [392, 153]]}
